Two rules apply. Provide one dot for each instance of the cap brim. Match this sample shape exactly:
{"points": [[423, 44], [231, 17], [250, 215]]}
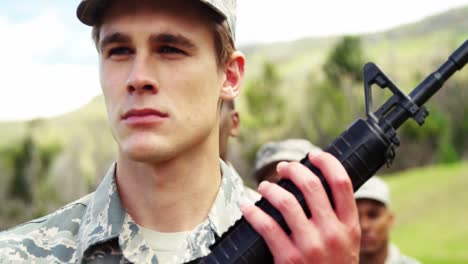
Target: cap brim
{"points": [[214, 8], [88, 11], [371, 196]]}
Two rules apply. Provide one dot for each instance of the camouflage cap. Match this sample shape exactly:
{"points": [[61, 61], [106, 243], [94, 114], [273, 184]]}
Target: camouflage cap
{"points": [[374, 189], [89, 10], [285, 150]]}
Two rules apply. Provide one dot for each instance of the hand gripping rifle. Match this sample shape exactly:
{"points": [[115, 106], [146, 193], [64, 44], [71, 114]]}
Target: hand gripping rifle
{"points": [[362, 149]]}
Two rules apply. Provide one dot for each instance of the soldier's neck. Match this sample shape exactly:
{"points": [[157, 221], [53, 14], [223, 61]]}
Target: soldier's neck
{"points": [[174, 196]]}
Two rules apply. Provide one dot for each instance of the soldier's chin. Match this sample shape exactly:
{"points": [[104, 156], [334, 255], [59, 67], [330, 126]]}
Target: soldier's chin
{"points": [[142, 158], [368, 248], [147, 154]]}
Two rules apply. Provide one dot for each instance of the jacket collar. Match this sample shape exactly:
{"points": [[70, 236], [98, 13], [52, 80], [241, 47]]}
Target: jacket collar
{"points": [[104, 215], [106, 219]]}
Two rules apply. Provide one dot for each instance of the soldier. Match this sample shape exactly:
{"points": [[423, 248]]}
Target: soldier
{"points": [[165, 67], [229, 124], [272, 153], [376, 220]]}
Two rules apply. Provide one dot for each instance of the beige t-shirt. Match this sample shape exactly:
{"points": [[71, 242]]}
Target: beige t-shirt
{"points": [[165, 245]]}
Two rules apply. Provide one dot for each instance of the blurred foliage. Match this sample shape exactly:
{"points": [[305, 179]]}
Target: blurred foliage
{"points": [[264, 102], [50, 162], [345, 61], [20, 186], [265, 110], [28, 162], [337, 94]]}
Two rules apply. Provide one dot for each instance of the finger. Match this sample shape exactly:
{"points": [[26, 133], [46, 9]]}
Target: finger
{"points": [[289, 208], [278, 242], [310, 186], [340, 185]]}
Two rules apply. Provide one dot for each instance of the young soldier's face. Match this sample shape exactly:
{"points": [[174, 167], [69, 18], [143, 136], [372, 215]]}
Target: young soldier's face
{"points": [[376, 221], [159, 76]]}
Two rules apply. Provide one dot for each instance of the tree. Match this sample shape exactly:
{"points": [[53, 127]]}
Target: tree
{"points": [[264, 101], [343, 68], [345, 61], [266, 111], [333, 104], [21, 184]]}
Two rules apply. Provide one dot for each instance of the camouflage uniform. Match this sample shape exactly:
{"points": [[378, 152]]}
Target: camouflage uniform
{"points": [[96, 229], [396, 257]]}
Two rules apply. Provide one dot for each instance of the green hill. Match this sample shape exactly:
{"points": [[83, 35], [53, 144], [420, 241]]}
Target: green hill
{"points": [[453, 20], [431, 212], [412, 45]]}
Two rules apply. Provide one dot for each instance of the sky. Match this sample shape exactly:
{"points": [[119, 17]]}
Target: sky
{"points": [[49, 63]]}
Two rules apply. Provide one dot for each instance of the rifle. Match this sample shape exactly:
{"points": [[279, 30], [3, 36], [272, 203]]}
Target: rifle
{"points": [[362, 149]]}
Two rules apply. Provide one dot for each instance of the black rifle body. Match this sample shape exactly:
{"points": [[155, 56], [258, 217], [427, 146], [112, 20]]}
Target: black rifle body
{"points": [[362, 149]]}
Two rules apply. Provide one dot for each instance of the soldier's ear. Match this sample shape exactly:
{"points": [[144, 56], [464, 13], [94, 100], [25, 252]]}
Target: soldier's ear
{"points": [[391, 218], [234, 132], [234, 73]]}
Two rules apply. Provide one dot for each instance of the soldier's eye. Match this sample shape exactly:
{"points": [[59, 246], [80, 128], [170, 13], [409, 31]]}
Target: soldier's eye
{"points": [[120, 51]]}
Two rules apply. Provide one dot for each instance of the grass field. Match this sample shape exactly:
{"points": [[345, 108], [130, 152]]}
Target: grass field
{"points": [[431, 207]]}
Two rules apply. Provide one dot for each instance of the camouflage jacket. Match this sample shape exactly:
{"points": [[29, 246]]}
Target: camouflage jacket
{"points": [[96, 229]]}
